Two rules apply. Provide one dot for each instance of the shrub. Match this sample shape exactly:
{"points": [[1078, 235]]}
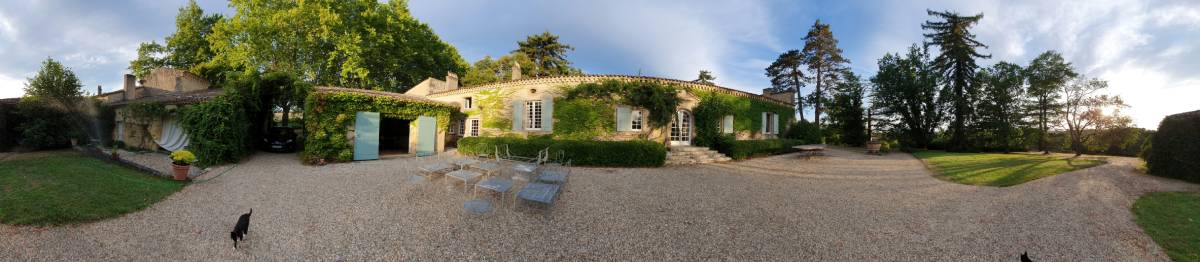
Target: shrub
{"points": [[45, 126], [804, 131], [218, 130], [636, 153], [1175, 148], [742, 149]]}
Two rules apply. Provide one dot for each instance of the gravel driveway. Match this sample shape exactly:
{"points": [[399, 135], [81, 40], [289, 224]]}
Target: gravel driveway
{"points": [[845, 206]]}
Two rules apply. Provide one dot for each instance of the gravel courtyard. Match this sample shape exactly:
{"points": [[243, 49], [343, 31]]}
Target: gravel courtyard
{"points": [[845, 206]]}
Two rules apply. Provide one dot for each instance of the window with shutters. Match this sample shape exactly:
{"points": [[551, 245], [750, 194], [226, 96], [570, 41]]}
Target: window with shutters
{"points": [[769, 123], [474, 125], [635, 120], [533, 115]]}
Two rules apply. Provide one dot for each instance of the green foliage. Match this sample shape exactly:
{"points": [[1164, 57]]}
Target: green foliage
{"points": [[906, 89], [956, 62], [218, 129], [705, 77], [65, 187], [746, 112], [285, 93], [659, 100], [636, 153], [742, 149], [989, 169], [328, 116], [847, 118], [145, 112], [824, 60], [549, 56], [487, 70], [489, 106], [1170, 219], [805, 131], [583, 119], [185, 49], [999, 111], [357, 44], [51, 108], [1175, 148], [1046, 74], [786, 75]]}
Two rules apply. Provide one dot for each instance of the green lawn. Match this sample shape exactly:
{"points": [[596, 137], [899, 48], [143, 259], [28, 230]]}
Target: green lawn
{"points": [[994, 169], [1173, 221], [61, 187]]}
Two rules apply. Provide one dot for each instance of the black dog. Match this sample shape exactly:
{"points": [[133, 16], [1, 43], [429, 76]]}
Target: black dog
{"points": [[239, 230], [1025, 257]]}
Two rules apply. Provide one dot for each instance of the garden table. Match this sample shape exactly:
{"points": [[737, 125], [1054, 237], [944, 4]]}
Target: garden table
{"points": [[466, 176], [808, 151], [496, 184]]}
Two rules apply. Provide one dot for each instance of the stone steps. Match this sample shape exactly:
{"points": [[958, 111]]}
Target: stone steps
{"points": [[684, 155]]}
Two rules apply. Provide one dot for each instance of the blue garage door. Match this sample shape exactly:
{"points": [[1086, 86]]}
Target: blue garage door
{"points": [[426, 136], [366, 136]]}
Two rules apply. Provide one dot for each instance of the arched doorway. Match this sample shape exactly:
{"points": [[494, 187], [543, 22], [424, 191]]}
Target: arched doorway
{"points": [[681, 129]]}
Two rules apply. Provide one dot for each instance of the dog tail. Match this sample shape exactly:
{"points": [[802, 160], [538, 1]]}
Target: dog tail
{"points": [[251, 211]]}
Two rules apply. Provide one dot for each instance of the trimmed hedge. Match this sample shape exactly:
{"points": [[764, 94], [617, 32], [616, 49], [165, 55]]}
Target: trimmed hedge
{"points": [[1175, 148], [742, 149], [637, 153]]}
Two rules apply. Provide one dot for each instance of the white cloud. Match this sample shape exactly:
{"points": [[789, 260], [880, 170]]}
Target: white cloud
{"points": [[11, 86]]}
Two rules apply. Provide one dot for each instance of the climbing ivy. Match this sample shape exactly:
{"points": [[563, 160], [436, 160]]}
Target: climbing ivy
{"points": [[583, 119], [490, 106], [658, 99], [746, 112], [328, 116]]}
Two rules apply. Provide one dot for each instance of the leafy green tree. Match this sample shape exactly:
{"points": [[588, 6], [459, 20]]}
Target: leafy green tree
{"points": [[1000, 110], [956, 63], [1086, 112], [51, 106], [787, 75], [705, 77], [548, 54], [357, 44], [185, 49], [846, 111], [906, 89], [824, 59], [483, 71], [285, 92], [1046, 74]]}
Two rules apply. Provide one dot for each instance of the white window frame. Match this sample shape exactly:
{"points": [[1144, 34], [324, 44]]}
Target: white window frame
{"points": [[636, 120], [468, 103], [473, 124], [533, 115], [770, 124]]}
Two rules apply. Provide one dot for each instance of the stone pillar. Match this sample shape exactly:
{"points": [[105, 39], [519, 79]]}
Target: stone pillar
{"points": [[451, 81], [130, 85]]}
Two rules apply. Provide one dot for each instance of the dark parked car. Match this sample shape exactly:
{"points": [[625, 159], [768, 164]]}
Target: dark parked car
{"points": [[280, 139]]}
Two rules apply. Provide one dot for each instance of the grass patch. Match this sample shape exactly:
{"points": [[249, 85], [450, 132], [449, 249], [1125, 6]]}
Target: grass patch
{"points": [[62, 187], [1172, 219], [993, 169]]}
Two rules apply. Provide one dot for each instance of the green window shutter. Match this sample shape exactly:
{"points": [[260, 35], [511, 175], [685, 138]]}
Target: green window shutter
{"points": [[426, 136], [727, 126], [624, 119], [548, 114], [775, 124], [763, 126], [518, 114], [366, 135]]}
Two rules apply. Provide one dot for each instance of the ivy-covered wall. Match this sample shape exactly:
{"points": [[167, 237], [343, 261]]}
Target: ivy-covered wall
{"points": [[329, 115], [746, 112], [583, 119]]}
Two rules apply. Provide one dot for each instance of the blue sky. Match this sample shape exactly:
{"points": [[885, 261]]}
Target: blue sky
{"points": [[1149, 51]]}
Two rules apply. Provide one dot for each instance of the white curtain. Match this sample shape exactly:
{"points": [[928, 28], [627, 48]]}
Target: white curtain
{"points": [[173, 138]]}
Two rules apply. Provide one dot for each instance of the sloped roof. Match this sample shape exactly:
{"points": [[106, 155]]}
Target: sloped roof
{"points": [[575, 79], [329, 89], [174, 98]]}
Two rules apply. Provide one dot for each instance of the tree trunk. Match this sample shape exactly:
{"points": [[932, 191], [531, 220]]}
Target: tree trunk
{"points": [[799, 98], [1042, 134], [817, 101]]}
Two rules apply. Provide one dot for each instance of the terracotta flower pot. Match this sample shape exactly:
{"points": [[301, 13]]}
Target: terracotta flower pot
{"points": [[115, 155], [873, 147], [181, 171]]}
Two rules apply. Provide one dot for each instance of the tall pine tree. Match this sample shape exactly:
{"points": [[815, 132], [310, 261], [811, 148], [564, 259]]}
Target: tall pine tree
{"points": [[1047, 75], [824, 60], [1000, 108], [786, 75], [956, 63]]}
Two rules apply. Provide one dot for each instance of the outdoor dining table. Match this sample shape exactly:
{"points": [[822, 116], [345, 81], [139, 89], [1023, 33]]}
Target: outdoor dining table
{"points": [[466, 176], [808, 151], [464, 162]]}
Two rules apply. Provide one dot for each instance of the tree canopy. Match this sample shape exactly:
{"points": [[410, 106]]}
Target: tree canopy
{"points": [[357, 44], [787, 75], [906, 90], [1046, 74], [705, 77], [1000, 109], [956, 64], [185, 49], [824, 59], [549, 56]]}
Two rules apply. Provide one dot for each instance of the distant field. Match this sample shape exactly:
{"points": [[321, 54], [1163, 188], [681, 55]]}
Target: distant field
{"points": [[62, 187], [994, 169]]}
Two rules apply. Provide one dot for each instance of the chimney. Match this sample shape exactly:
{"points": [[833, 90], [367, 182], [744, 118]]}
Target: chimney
{"points": [[99, 90], [451, 81], [516, 71], [130, 87]]}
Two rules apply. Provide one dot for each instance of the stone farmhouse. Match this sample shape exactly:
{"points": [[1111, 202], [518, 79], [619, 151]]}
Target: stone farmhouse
{"points": [[171, 88]]}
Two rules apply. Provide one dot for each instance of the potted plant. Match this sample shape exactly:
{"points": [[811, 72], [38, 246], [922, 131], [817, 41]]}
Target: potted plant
{"points": [[874, 145], [181, 162], [115, 155]]}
